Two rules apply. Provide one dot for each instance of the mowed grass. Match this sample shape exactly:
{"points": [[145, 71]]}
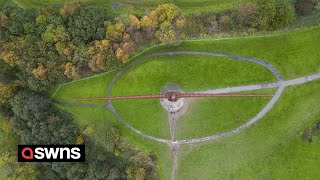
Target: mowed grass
{"points": [[142, 6], [91, 87], [294, 54], [270, 149], [190, 72], [102, 118], [6, 3], [209, 116]]}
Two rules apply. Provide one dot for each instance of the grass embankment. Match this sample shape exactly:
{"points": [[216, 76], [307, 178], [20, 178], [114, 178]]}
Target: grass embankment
{"points": [[90, 87], [142, 6], [271, 148], [294, 54]]}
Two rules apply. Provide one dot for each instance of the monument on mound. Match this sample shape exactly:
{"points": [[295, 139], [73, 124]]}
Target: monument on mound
{"points": [[172, 104]]}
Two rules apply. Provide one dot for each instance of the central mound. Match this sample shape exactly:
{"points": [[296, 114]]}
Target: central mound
{"points": [[173, 104]]}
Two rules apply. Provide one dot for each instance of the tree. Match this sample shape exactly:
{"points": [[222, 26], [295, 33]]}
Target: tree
{"points": [[284, 15], [80, 139], [70, 8], [37, 122], [265, 14], [225, 23], [3, 20], [87, 24], [39, 72], [71, 71], [6, 92], [9, 57], [7, 72], [101, 56], [245, 14], [273, 14], [305, 7], [25, 171], [6, 126], [164, 19]]}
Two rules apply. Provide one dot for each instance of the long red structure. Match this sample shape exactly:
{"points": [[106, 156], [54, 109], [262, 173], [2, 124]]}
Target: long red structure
{"points": [[173, 96]]}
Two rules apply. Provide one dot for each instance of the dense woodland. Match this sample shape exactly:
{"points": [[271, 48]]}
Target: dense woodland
{"points": [[41, 48]]}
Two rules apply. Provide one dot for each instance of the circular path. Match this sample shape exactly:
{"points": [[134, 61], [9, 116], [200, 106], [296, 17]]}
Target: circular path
{"points": [[278, 84]]}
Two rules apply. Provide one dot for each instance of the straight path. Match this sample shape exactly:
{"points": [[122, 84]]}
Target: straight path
{"points": [[260, 86]]}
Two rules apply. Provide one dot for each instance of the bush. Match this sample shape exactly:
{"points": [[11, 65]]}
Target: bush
{"points": [[273, 15], [245, 14], [305, 7], [312, 134]]}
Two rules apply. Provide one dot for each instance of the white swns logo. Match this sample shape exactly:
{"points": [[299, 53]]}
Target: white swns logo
{"points": [[53, 153]]}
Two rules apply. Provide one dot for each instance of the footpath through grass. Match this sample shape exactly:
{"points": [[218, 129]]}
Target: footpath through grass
{"points": [[272, 148]]}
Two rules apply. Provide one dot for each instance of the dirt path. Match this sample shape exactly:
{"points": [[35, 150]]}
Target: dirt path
{"points": [[174, 145], [175, 152]]}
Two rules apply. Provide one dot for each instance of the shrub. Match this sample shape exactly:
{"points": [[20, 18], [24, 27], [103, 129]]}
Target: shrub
{"points": [[245, 14], [305, 7], [312, 134]]}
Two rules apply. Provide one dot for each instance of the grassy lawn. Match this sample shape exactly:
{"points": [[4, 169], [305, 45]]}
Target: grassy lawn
{"points": [[5, 3], [270, 149], [294, 54], [91, 87], [210, 116], [149, 77], [190, 72], [85, 117], [141, 6]]}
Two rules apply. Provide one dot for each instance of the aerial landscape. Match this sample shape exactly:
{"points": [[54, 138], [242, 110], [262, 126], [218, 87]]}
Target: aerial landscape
{"points": [[159, 89]]}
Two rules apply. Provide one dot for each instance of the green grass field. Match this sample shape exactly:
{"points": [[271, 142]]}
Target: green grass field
{"points": [[294, 54], [139, 7], [90, 87], [207, 117], [270, 149], [190, 72]]}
